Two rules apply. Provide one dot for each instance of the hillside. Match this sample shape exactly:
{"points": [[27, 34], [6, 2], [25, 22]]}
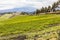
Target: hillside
{"points": [[29, 26]]}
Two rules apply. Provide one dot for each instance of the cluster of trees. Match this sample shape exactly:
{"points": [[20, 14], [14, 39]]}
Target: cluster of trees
{"points": [[44, 9], [48, 9], [23, 13]]}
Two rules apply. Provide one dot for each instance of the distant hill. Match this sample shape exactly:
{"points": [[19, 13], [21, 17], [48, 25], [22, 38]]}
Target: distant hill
{"points": [[22, 9]]}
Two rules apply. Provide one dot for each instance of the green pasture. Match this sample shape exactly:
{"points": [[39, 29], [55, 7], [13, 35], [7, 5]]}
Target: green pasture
{"points": [[29, 24]]}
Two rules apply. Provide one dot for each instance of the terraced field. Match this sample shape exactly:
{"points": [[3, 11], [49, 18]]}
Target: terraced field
{"points": [[29, 25]]}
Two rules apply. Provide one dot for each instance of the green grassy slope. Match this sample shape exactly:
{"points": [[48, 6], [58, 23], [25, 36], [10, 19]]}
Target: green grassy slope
{"points": [[29, 24], [5, 17]]}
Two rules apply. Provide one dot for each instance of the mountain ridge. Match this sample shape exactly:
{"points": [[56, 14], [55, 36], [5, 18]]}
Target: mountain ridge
{"points": [[22, 9]]}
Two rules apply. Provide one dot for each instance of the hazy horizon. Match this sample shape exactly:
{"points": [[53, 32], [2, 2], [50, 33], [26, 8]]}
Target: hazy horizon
{"points": [[10, 4]]}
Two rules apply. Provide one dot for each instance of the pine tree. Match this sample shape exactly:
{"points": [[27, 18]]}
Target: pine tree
{"points": [[49, 8], [42, 9], [55, 5], [46, 9]]}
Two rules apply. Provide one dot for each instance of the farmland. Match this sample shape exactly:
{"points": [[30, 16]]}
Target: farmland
{"points": [[29, 25]]}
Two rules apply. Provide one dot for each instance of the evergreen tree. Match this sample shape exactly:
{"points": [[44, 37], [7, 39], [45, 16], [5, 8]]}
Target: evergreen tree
{"points": [[42, 9], [55, 5], [46, 9], [49, 9]]}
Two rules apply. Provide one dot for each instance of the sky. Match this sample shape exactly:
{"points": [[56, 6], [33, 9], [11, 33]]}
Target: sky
{"points": [[10, 4]]}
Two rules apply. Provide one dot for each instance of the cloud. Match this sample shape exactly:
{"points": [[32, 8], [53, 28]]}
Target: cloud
{"points": [[9, 4], [42, 3]]}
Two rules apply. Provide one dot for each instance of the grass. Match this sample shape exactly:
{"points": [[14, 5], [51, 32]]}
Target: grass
{"points": [[5, 17], [29, 24]]}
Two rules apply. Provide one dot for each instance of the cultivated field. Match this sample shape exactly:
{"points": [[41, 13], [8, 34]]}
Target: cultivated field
{"points": [[29, 25]]}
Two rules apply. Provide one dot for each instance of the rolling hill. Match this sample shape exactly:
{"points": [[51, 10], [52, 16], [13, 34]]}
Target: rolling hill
{"points": [[30, 26]]}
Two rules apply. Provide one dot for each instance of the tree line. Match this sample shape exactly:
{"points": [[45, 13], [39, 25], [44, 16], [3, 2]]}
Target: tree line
{"points": [[48, 9]]}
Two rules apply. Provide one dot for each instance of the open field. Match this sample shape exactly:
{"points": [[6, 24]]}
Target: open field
{"points": [[29, 25]]}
